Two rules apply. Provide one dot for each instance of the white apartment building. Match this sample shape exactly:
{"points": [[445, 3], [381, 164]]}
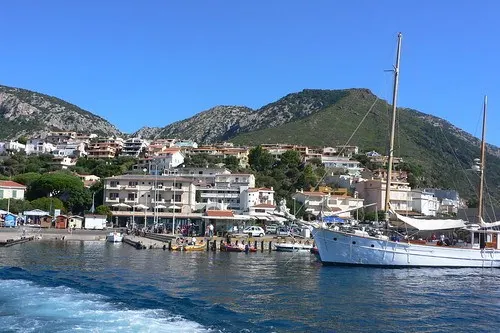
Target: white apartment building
{"points": [[11, 147], [63, 162], [39, 146], [325, 204], [60, 137], [75, 149], [152, 198], [424, 202], [226, 191], [339, 163], [167, 159], [134, 147], [251, 197], [373, 192]]}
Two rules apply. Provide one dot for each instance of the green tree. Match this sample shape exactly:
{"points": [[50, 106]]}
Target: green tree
{"points": [[67, 187], [15, 206], [22, 140], [260, 159], [104, 210], [26, 178], [47, 204], [232, 163]]}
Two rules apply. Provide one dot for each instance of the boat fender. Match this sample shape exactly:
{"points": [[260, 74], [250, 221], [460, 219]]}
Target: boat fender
{"points": [[138, 246]]}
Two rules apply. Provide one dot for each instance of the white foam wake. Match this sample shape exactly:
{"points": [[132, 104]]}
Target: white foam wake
{"points": [[27, 307]]}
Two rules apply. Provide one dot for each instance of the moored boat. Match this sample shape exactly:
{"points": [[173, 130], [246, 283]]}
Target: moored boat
{"points": [[293, 247], [359, 247], [114, 237], [191, 247]]}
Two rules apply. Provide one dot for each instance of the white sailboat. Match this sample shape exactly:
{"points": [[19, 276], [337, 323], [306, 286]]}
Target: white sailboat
{"points": [[358, 247]]}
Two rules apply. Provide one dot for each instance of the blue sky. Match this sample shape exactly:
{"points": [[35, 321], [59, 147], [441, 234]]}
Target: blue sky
{"points": [[150, 63]]}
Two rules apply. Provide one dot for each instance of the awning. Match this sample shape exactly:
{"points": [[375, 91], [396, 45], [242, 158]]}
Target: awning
{"points": [[35, 212], [430, 224], [121, 205]]}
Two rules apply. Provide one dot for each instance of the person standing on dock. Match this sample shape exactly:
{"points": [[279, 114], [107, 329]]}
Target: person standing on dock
{"points": [[210, 230]]}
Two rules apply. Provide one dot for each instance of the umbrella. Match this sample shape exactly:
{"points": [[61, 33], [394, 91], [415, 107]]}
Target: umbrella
{"points": [[141, 206], [174, 207], [121, 205], [160, 207]]}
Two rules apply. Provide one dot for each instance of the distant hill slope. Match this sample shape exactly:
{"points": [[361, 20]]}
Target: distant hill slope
{"points": [[330, 117], [27, 113]]}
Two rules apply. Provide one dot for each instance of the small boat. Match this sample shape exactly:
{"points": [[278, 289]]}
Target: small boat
{"points": [[232, 248], [237, 248], [293, 247], [182, 247], [114, 237]]}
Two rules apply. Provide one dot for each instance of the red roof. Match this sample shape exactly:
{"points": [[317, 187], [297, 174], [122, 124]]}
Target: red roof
{"points": [[10, 183], [222, 213]]}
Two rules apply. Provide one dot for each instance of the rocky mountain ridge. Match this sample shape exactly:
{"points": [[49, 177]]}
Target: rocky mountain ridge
{"points": [[27, 113]]}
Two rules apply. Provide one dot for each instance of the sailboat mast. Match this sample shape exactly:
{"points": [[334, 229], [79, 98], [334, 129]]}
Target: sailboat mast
{"points": [[481, 163], [393, 126]]}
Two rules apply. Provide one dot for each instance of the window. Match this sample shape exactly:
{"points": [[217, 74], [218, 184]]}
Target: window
{"points": [[14, 194], [178, 185], [113, 195], [114, 184], [131, 196], [1, 194]]}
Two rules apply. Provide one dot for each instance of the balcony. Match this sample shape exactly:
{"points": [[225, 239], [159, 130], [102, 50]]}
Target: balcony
{"points": [[159, 201], [130, 201], [112, 200]]}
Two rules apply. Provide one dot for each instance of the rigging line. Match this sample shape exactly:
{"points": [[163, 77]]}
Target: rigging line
{"points": [[491, 199], [352, 135], [344, 146], [458, 161], [359, 125]]}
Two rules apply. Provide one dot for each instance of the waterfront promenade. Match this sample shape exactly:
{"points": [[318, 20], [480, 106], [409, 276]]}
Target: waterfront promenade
{"points": [[147, 241]]}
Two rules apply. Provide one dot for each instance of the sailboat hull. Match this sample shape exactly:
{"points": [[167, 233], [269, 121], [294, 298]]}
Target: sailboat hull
{"points": [[336, 247]]}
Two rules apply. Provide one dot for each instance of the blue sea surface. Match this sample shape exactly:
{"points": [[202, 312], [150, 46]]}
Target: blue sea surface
{"points": [[57, 286]]}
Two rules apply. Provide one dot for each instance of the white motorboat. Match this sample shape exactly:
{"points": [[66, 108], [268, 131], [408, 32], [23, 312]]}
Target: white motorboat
{"points": [[359, 247], [114, 237], [293, 247]]}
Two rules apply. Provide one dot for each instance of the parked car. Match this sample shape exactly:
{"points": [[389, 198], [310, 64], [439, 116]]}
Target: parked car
{"points": [[272, 228], [283, 231], [254, 231]]}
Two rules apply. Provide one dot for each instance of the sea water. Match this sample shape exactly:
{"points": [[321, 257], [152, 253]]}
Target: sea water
{"points": [[55, 286]]}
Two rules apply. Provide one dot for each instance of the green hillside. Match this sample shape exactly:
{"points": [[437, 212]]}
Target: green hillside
{"points": [[442, 155]]}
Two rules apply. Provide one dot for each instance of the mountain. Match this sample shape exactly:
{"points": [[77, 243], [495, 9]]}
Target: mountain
{"points": [[27, 113], [441, 153]]}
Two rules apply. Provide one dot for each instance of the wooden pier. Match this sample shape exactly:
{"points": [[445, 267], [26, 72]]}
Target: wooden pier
{"points": [[163, 241], [14, 241]]}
